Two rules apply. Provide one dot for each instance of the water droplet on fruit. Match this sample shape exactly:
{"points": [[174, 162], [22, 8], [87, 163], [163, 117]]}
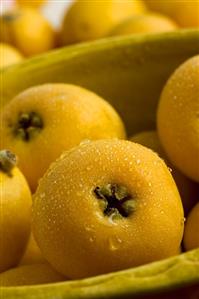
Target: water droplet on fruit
{"points": [[91, 239], [85, 141], [114, 243], [170, 169], [88, 229], [183, 221], [42, 195]]}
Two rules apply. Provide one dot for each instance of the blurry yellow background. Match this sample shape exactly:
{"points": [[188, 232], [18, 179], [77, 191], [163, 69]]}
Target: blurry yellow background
{"points": [[53, 10]]}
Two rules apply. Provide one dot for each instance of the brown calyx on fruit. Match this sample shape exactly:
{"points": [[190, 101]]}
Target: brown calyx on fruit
{"points": [[8, 161], [28, 126], [115, 200]]}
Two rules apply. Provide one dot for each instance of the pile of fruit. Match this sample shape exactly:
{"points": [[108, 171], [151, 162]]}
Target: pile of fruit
{"points": [[101, 203], [79, 197], [25, 31]]}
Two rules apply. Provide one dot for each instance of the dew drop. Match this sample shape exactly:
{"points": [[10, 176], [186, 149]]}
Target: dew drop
{"points": [[91, 239], [183, 221], [170, 170], [88, 229], [85, 141], [114, 243]]}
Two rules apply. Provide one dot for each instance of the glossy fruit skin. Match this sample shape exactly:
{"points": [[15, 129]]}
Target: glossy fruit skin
{"points": [[26, 29], [178, 118], [185, 13], [89, 20], [69, 114], [9, 55], [30, 275], [73, 233], [146, 23], [15, 205], [32, 254], [191, 235], [188, 189]]}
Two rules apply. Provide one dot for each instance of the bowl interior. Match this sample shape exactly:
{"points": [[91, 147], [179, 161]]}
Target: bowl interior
{"points": [[129, 72]]}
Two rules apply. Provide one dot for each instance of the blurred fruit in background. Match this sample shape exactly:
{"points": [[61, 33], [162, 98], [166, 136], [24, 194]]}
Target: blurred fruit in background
{"points": [[9, 55], [191, 235], [31, 3], [185, 13], [166, 7], [25, 25], [30, 275], [92, 20], [27, 30], [146, 23], [32, 253]]}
